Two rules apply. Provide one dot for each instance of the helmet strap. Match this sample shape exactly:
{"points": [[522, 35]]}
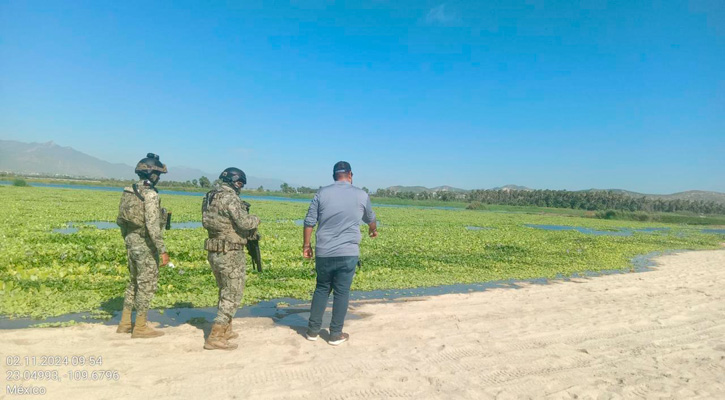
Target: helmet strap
{"points": [[153, 179], [234, 186]]}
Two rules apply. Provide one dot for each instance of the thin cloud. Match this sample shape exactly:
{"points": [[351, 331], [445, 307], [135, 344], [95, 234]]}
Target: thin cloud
{"points": [[441, 15]]}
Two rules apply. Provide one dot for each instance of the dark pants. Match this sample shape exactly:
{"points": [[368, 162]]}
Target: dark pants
{"points": [[333, 274]]}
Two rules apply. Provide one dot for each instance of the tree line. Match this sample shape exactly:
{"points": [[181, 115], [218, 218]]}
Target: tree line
{"points": [[286, 188], [202, 182], [592, 200]]}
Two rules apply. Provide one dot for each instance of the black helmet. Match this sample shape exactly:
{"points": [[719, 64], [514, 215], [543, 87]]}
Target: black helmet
{"points": [[231, 175], [149, 165]]}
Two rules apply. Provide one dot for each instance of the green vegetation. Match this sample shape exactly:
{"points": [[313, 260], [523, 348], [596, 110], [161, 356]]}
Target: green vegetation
{"points": [[19, 182], [417, 203], [582, 200], [45, 273], [529, 209]]}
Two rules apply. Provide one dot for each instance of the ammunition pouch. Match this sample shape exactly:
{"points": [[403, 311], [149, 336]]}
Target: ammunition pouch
{"points": [[221, 245]]}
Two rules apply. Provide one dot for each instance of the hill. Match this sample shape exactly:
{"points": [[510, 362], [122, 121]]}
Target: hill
{"points": [[421, 189], [445, 188], [50, 159], [448, 189], [690, 195], [697, 195], [511, 187], [53, 160]]}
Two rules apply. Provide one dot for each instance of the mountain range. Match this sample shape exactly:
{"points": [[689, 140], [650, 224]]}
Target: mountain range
{"points": [[691, 195], [50, 159], [420, 189]]}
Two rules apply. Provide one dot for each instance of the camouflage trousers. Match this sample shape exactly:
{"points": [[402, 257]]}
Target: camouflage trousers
{"points": [[143, 268], [230, 272]]}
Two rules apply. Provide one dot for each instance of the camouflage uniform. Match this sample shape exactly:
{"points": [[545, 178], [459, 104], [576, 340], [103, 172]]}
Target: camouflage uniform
{"points": [[227, 220], [141, 223]]}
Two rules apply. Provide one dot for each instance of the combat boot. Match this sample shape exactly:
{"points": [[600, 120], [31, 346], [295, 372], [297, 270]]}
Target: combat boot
{"points": [[142, 329], [217, 339], [125, 325], [229, 333]]}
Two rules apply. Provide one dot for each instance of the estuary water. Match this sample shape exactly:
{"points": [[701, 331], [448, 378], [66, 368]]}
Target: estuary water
{"points": [[74, 227], [591, 231], [162, 191], [201, 194], [191, 225], [295, 312]]}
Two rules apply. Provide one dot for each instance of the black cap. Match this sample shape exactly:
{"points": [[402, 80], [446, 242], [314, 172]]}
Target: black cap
{"points": [[340, 167]]}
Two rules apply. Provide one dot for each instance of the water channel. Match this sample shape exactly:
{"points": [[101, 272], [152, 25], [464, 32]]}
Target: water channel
{"points": [[591, 231], [201, 194], [295, 313]]}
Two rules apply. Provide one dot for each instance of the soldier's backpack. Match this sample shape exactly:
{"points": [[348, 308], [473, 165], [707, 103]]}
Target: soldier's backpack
{"points": [[131, 209]]}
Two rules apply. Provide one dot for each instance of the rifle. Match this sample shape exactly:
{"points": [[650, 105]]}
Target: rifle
{"points": [[253, 246], [253, 250]]}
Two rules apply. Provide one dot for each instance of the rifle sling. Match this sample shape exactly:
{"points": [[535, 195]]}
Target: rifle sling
{"points": [[210, 197], [136, 192]]}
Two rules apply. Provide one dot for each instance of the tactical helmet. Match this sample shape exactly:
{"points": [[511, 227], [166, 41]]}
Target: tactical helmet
{"points": [[231, 175], [149, 165]]}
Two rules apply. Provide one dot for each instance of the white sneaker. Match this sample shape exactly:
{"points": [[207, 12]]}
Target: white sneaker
{"points": [[338, 339]]}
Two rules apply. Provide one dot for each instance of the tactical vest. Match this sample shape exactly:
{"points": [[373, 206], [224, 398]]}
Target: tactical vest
{"points": [[222, 235], [131, 210]]}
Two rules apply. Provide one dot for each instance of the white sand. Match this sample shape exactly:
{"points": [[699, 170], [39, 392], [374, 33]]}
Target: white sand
{"points": [[644, 335]]}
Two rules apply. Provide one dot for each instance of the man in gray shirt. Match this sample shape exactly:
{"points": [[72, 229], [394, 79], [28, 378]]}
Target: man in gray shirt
{"points": [[336, 210]]}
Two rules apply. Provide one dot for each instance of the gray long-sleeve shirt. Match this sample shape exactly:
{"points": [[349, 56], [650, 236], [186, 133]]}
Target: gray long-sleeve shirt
{"points": [[337, 210]]}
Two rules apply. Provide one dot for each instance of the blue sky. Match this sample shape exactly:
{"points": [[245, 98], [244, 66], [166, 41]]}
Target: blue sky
{"points": [[474, 94]]}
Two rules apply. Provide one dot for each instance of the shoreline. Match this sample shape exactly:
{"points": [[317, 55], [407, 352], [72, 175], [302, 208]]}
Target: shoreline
{"points": [[279, 308], [658, 334]]}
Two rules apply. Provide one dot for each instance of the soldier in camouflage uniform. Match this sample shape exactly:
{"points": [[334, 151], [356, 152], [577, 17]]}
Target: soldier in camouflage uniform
{"points": [[141, 219], [227, 220]]}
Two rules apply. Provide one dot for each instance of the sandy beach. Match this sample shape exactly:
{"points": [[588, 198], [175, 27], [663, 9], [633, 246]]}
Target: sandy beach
{"points": [[657, 334]]}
